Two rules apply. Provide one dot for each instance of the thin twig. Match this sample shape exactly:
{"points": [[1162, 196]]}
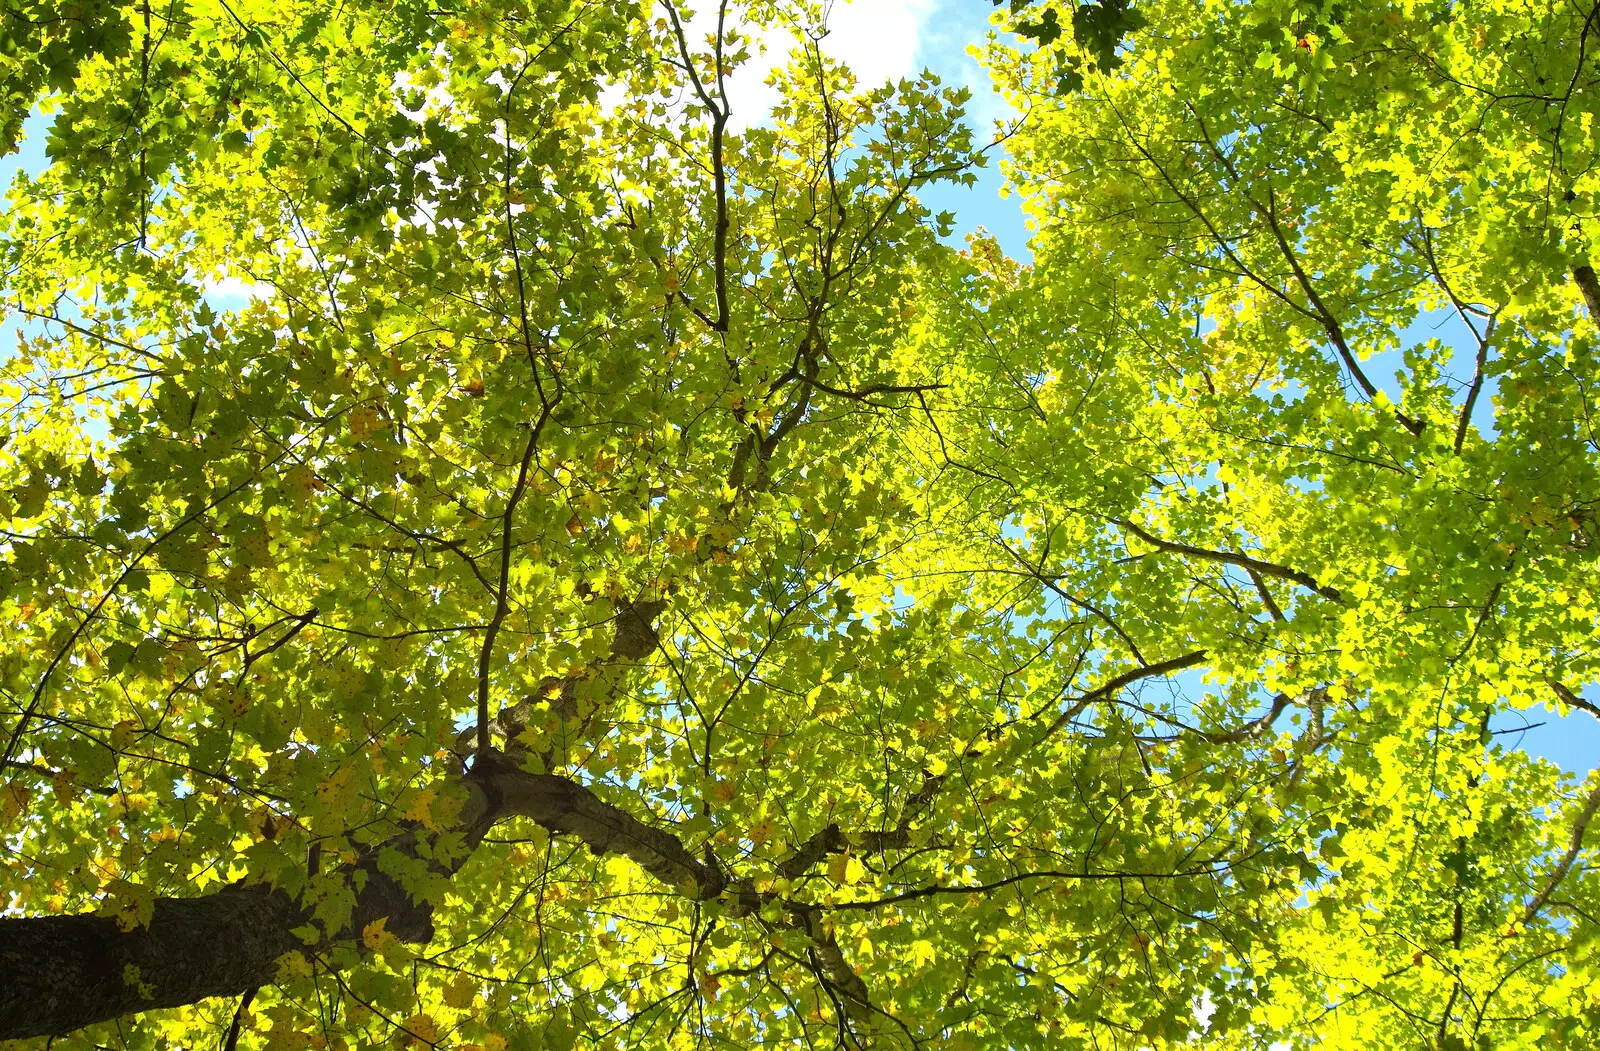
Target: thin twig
{"points": [[232, 1039]]}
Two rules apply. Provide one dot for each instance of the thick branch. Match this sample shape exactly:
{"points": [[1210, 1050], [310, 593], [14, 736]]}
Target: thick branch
{"points": [[832, 840], [1571, 699], [1127, 678], [834, 969], [1583, 277], [563, 806], [1580, 827], [1245, 562], [65, 972]]}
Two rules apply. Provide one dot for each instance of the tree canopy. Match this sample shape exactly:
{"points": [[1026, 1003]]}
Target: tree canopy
{"points": [[621, 579]]}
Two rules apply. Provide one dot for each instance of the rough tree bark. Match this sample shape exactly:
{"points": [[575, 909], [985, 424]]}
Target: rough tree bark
{"points": [[62, 973], [1584, 277], [65, 972]]}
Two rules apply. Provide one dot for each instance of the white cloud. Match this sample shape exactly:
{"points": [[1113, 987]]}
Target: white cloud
{"points": [[234, 288], [885, 40], [878, 39]]}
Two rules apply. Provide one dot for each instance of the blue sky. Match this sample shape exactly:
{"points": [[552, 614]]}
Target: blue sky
{"points": [[889, 39]]}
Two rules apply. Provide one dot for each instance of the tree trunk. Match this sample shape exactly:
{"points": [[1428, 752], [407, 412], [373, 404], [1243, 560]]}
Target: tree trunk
{"points": [[1584, 277], [61, 973], [65, 972]]}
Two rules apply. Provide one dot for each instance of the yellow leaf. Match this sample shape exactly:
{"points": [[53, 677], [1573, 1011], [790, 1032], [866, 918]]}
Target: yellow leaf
{"points": [[131, 905], [292, 965], [420, 809], [13, 799], [334, 792], [122, 734], [461, 993], [374, 936], [422, 1027]]}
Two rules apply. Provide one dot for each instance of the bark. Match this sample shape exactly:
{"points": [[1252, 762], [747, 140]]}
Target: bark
{"points": [[65, 972], [563, 806], [834, 969], [1584, 277]]}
